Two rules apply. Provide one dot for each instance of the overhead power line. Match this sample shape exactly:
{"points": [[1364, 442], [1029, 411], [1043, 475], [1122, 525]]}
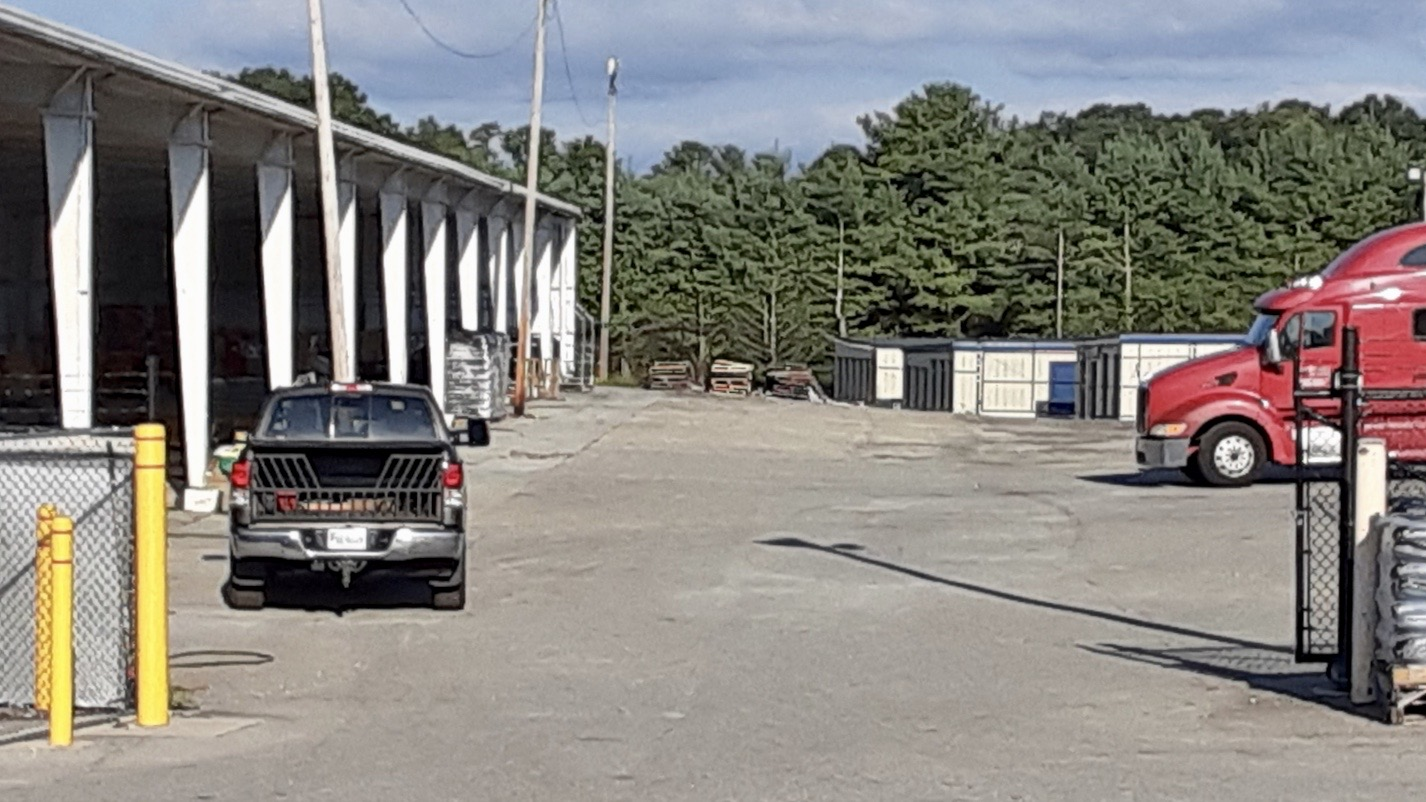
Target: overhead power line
{"points": [[455, 51], [568, 74]]}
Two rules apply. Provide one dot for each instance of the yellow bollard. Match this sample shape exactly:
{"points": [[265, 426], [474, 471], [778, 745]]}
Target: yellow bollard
{"points": [[62, 656], [151, 575], [43, 630]]}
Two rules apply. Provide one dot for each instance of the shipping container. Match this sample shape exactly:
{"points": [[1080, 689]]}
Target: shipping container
{"points": [[1014, 378], [1112, 368], [1001, 378]]}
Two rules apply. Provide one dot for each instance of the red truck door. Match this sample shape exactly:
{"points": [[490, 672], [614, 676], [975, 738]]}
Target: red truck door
{"points": [[1311, 338]]}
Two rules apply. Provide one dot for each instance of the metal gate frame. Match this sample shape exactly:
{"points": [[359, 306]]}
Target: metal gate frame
{"points": [[1324, 512], [1326, 503]]}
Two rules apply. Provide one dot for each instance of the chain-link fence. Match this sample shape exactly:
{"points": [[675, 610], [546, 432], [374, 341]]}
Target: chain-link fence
{"points": [[89, 478], [1319, 511]]}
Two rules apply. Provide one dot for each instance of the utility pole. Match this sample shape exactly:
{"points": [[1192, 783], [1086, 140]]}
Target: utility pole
{"points": [[841, 266], [609, 172], [327, 175], [1060, 287], [1128, 277], [532, 186]]}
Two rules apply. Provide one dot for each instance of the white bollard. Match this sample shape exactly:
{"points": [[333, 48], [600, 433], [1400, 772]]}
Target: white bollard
{"points": [[1369, 490]]}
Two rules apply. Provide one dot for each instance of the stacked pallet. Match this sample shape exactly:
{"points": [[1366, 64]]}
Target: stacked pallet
{"points": [[730, 378], [795, 382], [670, 376]]}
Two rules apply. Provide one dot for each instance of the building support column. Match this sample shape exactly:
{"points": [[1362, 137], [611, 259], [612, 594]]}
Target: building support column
{"points": [[69, 166], [435, 258], [275, 230], [392, 201], [468, 266], [347, 245], [189, 181], [568, 300], [507, 254], [542, 322]]}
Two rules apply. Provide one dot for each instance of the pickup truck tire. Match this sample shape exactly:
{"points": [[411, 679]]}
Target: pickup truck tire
{"points": [[1231, 455], [243, 598], [448, 598]]}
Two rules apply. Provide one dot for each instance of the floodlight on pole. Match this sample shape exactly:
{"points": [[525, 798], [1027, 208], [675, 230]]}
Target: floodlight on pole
{"points": [[1417, 175]]}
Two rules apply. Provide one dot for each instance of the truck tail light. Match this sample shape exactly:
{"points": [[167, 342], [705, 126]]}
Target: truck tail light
{"points": [[453, 476], [240, 476]]}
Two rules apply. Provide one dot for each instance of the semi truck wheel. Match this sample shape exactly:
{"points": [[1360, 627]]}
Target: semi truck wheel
{"points": [[1231, 455]]}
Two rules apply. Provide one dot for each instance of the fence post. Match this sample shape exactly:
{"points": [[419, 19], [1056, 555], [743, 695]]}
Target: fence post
{"points": [[150, 575], [44, 631], [62, 655], [1369, 486], [1349, 385]]}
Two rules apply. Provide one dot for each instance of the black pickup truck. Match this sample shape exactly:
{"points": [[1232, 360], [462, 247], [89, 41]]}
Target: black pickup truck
{"points": [[346, 479]]}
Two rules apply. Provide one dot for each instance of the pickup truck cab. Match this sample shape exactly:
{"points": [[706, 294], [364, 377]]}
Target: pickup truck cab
{"points": [[344, 479], [1222, 418]]}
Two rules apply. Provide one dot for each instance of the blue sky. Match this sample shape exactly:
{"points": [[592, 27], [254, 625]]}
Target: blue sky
{"points": [[797, 72]]}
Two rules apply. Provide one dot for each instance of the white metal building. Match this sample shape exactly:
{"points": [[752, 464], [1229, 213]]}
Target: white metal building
{"points": [[154, 215], [1112, 368]]}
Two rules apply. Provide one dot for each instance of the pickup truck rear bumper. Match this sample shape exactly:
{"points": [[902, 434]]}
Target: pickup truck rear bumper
{"points": [[385, 544], [1159, 452]]}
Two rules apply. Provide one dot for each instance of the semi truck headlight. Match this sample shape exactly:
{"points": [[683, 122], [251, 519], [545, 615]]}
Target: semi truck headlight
{"points": [[1169, 430]]}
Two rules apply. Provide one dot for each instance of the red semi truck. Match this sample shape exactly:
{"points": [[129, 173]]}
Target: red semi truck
{"points": [[1222, 418]]}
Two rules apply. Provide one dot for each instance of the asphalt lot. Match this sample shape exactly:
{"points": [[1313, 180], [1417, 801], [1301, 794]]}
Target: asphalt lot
{"points": [[712, 599]]}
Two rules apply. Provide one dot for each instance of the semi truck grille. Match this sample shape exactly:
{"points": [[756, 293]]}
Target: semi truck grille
{"points": [[1143, 412]]}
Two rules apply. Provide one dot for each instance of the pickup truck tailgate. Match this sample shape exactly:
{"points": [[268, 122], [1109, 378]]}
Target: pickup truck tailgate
{"points": [[313, 484]]}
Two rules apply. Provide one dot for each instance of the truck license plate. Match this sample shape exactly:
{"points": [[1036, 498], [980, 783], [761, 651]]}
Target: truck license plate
{"points": [[348, 539]]}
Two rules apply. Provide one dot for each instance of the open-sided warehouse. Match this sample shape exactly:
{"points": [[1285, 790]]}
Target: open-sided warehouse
{"points": [[1112, 368], [160, 246]]}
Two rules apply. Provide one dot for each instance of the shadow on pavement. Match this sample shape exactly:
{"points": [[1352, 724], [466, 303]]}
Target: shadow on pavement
{"points": [[1167, 477], [323, 593], [1267, 671], [844, 551], [218, 658]]}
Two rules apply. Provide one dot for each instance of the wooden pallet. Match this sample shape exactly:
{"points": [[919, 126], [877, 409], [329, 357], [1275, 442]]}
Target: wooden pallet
{"points": [[1399, 687]]}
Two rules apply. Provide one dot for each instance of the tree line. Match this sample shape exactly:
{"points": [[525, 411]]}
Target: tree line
{"points": [[952, 220]]}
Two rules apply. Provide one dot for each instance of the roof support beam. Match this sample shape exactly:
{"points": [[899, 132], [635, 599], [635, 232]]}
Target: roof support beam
{"points": [[347, 248], [69, 165], [542, 298], [566, 296], [468, 266], [275, 232], [435, 255], [394, 252], [190, 204]]}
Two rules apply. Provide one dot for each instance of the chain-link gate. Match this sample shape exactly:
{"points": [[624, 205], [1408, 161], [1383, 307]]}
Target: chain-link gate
{"points": [[89, 478], [1331, 418]]}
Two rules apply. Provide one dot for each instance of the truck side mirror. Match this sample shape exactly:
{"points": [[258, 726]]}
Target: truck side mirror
{"points": [[1272, 349]]}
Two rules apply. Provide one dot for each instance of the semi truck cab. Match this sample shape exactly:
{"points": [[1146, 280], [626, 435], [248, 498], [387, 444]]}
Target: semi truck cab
{"points": [[1222, 418]]}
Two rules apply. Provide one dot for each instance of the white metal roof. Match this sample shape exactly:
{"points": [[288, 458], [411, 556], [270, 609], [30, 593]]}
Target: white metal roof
{"points": [[100, 52]]}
